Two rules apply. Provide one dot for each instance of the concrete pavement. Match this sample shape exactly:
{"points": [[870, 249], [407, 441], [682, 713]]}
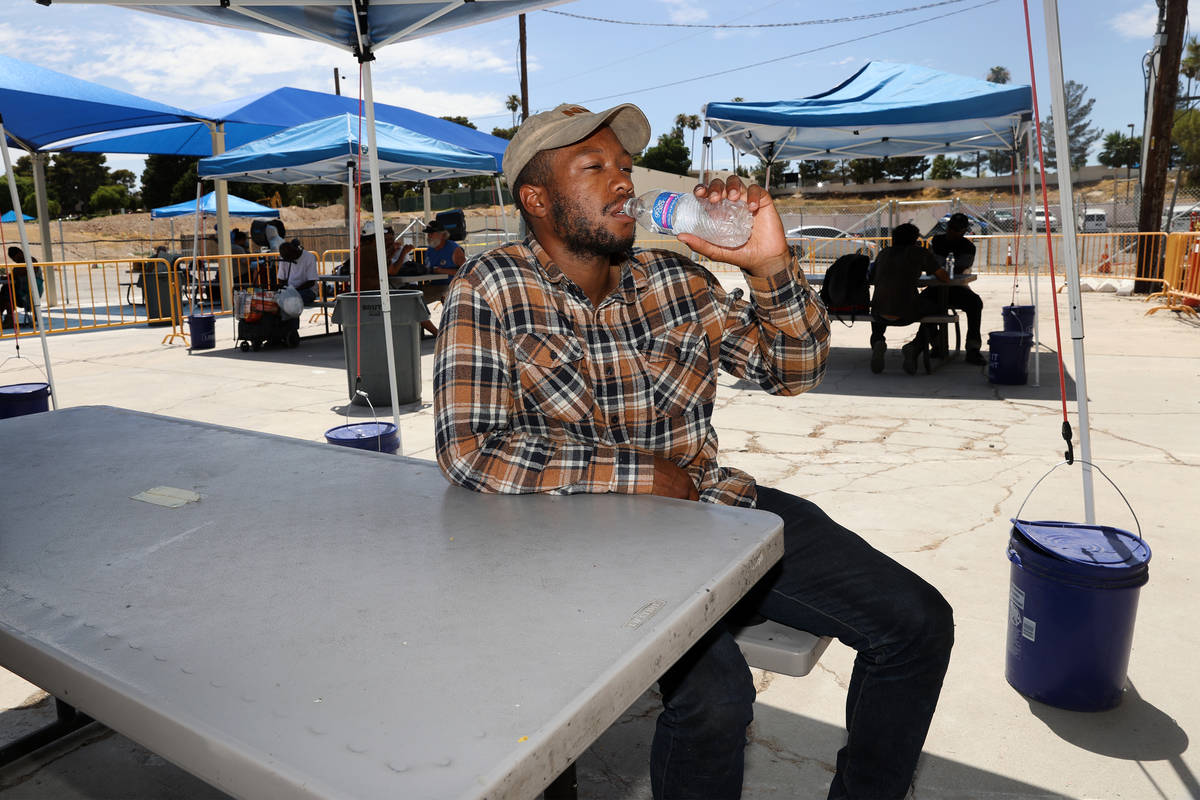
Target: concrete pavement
{"points": [[928, 468]]}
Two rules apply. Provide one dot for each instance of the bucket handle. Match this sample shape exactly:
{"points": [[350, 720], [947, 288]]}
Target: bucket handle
{"points": [[1110, 483]]}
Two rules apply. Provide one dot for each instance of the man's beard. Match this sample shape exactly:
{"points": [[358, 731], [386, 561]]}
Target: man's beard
{"points": [[583, 238]]}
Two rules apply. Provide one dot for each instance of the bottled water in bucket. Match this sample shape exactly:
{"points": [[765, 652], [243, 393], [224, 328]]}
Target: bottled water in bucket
{"points": [[726, 223]]}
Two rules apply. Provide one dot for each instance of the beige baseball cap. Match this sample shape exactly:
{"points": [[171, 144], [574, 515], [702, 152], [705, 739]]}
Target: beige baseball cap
{"points": [[570, 123]]}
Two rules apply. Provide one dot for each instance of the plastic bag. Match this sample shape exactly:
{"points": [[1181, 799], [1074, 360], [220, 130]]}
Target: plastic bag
{"points": [[290, 303]]}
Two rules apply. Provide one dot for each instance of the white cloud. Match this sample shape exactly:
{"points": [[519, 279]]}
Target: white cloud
{"points": [[1137, 23], [682, 11]]}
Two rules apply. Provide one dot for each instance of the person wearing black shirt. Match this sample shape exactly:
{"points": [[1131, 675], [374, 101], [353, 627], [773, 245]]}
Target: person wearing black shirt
{"points": [[955, 241]]}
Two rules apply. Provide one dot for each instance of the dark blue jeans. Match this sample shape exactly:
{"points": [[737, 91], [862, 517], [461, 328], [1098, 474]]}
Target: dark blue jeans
{"points": [[831, 583]]}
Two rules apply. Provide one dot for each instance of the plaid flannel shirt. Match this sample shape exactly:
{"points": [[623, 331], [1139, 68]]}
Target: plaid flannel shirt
{"points": [[535, 390]]}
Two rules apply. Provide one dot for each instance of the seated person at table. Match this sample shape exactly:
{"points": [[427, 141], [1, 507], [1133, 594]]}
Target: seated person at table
{"points": [[16, 290], [896, 300], [368, 260], [298, 268], [443, 254], [573, 362], [955, 241]]}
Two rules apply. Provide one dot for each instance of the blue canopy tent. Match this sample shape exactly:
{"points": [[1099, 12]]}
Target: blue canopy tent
{"points": [[39, 106], [238, 207], [882, 110], [252, 117], [318, 151], [11, 216], [326, 151], [360, 28]]}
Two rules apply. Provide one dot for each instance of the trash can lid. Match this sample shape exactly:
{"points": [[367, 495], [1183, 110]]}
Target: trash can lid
{"points": [[23, 388], [1087, 545]]}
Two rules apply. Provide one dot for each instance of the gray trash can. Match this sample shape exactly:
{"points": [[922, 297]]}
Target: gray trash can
{"points": [[408, 312], [156, 288]]}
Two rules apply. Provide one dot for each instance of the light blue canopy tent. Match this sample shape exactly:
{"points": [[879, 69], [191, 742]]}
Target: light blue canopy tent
{"points": [[359, 27], [882, 110], [249, 118], [11, 216], [320, 151], [238, 207]]}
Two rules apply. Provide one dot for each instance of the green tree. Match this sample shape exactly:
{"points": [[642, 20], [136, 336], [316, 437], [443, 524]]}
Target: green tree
{"points": [[160, 176], [999, 75], [906, 168], [505, 133], [24, 193], [1185, 135], [865, 170], [945, 168], [124, 177], [513, 104], [1080, 132], [109, 198], [1120, 150], [461, 121], [670, 154], [72, 177]]}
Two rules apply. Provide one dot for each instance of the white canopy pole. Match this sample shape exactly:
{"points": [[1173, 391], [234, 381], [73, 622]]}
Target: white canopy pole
{"points": [[38, 161], [380, 256], [351, 217], [500, 200], [1031, 272], [1062, 145], [224, 266], [39, 303], [195, 254], [428, 203]]}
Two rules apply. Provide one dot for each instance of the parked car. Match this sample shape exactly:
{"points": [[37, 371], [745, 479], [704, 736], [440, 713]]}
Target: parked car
{"points": [[979, 226], [1003, 220], [826, 243], [1037, 218], [1093, 220]]}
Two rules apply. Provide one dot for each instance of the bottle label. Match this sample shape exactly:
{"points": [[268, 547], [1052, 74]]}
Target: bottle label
{"points": [[663, 211]]}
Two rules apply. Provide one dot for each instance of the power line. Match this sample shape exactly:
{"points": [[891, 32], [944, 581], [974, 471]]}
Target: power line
{"points": [[792, 55], [826, 21]]}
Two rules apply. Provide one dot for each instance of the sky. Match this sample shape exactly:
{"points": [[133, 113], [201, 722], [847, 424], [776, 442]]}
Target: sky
{"points": [[664, 68]]}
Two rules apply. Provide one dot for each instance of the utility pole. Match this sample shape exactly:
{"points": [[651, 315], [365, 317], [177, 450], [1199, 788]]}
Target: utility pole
{"points": [[1168, 40], [337, 83], [524, 71]]}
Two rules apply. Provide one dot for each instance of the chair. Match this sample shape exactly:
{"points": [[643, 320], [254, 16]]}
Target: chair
{"points": [[766, 645]]}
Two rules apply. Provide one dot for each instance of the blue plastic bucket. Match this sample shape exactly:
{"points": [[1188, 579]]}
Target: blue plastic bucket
{"points": [[18, 399], [1018, 318], [377, 436], [203, 328], [1073, 598], [1008, 357]]}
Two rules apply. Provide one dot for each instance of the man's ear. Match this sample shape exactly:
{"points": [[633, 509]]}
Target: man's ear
{"points": [[535, 200]]}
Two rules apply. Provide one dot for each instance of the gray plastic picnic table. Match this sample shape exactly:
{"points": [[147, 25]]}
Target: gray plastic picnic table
{"points": [[325, 622]]}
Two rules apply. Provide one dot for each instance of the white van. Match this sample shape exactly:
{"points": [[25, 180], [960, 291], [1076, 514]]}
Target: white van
{"points": [[1093, 221]]}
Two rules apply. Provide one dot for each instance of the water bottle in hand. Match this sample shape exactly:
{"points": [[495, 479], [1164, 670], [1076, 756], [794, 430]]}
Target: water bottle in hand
{"points": [[950, 265], [726, 224]]}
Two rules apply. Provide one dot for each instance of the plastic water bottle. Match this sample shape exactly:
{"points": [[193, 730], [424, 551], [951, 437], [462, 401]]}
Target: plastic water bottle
{"points": [[726, 224], [950, 265]]}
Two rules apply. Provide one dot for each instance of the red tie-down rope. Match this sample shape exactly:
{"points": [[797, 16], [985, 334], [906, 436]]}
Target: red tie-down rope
{"points": [[1037, 126]]}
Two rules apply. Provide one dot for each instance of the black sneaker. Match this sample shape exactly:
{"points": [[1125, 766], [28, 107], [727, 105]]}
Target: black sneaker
{"points": [[878, 349], [975, 357], [909, 351]]}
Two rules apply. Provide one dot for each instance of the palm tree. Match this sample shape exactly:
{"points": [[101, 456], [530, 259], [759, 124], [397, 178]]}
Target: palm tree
{"points": [[693, 125], [999, 75], [681, 121], [512, 104]]}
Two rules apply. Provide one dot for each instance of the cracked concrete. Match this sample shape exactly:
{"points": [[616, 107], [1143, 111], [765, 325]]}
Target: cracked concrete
{"points": [[928, 468]]}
